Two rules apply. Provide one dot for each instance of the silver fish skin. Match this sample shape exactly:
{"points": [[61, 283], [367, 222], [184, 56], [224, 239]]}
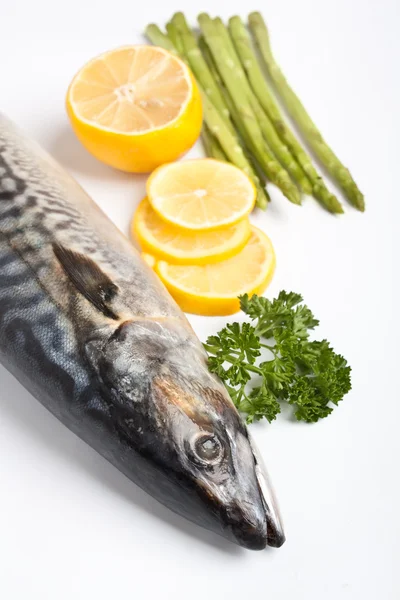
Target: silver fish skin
{"points": [[91, 332]]}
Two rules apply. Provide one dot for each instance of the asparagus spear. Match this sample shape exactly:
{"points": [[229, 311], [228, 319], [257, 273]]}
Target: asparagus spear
{"points": [[232, 109], [274, 171], [206, 54], [215, 123], [232, 149], [200, 68], [299, 114], [212, 145], [271, 136], [206, 73], [261, 89], [174, 36], [158, 38], [230, 144]]}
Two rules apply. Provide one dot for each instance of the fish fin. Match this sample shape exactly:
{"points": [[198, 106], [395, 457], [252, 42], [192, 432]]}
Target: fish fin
{"points": [[88, 278]]}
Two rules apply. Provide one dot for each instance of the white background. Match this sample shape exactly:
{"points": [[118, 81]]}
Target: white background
{"points": [[71, 526]]}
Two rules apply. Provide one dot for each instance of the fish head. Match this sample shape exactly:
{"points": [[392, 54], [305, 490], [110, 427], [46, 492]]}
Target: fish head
{"points": [[198, 457]]}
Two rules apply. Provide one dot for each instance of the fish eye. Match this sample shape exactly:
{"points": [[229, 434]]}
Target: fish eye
{"points": [[208, 448]]}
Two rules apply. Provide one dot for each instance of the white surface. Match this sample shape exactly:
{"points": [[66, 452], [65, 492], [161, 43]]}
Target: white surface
{"points": [[71, 526]]}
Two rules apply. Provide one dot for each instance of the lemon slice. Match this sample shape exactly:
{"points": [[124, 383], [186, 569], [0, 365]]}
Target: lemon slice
{"points": [[135, 107], [182, 246], [149, 259], [214, 289], [201, 194]]}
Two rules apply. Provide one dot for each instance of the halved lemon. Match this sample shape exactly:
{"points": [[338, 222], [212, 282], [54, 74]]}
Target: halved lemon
{"points": [[201, 194], [135, 107], [181, 246], [214, 289]]}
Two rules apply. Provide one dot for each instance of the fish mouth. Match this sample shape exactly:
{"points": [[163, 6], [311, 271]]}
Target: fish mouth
{"points": [[275, 536], [254, 527], [246, 520], [252, 535], [259, 537], [251, 519]]}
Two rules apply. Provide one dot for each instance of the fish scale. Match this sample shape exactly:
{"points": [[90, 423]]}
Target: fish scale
{"points": [[90, 331]]}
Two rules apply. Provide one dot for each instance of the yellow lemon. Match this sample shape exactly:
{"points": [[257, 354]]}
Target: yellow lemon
{"points": [[202, 194], [177, 245], [214, 289], [135, 108], [149, 259]]}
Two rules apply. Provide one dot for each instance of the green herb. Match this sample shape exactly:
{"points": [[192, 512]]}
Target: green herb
{"points": [[307, 374]]}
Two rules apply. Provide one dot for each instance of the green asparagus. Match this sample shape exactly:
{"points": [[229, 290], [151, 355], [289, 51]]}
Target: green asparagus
{"points": [[221, 54], [278, 148], [158, 38], [174, 36], [266, 99], [212, 145], [200, 68], [206, 74], [210, 83], [316, 185], [232, 109], [231, 147], [216, 124], [299, 114]]}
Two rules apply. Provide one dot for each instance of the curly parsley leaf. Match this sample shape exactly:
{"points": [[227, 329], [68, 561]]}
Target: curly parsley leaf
{"points": [[308, 375], [260, 403]]}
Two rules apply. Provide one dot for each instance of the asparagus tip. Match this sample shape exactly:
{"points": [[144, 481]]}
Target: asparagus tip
{"points": [[292, 194], [255, 16], [234, 19], [294, 199], [359, 202], [151, 27], [262, 202], [336, 208]]}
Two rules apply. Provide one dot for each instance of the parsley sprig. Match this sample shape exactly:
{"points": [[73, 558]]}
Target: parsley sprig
{"points": [[309, 375]]}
